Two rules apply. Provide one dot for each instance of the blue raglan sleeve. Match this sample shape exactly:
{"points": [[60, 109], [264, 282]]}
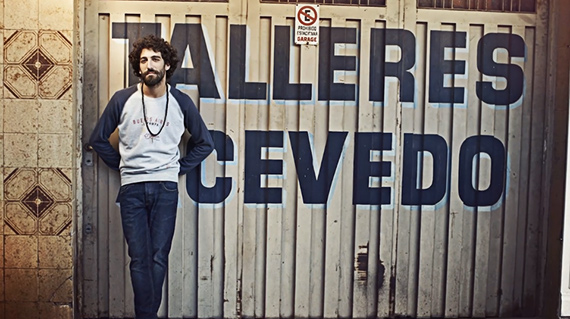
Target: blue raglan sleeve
{"points": [[106, 125], [201, 143]]}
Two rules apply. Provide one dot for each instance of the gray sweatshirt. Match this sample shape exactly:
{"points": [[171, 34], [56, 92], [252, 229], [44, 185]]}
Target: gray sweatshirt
{"points": [[142, 157]]}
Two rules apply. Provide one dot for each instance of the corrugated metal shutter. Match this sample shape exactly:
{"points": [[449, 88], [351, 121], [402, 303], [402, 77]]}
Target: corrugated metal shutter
{"points": [[324, 217]]}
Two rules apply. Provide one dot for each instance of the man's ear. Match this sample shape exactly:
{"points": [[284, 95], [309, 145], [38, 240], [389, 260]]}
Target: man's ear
{"points": [[167, 67]]}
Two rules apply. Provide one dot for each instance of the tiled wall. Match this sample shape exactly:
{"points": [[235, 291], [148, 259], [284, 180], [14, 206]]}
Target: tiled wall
{"points": [[36, 149]]}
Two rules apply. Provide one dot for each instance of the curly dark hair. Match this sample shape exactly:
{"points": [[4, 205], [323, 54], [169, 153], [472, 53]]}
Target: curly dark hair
{"points": [[157, 44]]}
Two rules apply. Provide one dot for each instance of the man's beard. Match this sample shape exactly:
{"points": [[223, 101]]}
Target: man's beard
{"points": [[151, 81]]}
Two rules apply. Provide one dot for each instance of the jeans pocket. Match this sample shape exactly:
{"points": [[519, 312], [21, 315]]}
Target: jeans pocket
{"points": [[123, 189], [169, 186]]}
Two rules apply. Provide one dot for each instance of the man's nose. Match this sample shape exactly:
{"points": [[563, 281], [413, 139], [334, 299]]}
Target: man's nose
{"points": [[151, 65]]}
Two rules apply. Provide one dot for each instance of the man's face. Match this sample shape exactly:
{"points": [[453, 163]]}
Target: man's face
{"points": [[153, 68]]}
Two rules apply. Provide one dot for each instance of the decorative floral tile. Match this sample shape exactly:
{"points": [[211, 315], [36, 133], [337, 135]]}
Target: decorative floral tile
{"points": [[57, 83], [20, 181], [56, 46], [18, 220], [38, 64], [37, 201], [18, 45], [18, 84], [56, 220], [58, 183]]}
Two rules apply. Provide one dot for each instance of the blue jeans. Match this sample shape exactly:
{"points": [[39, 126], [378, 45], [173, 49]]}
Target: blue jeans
{"points": [[148, 214]]}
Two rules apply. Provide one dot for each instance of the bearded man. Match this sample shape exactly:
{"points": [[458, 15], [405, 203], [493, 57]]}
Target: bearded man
{"points": [[151, 118]]}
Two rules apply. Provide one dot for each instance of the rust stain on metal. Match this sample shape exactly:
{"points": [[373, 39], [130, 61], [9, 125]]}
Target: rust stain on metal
{"points": [[361, 263]]}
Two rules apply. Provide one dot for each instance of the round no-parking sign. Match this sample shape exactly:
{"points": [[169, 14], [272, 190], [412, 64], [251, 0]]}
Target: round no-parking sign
{"points": [[307, 24]]}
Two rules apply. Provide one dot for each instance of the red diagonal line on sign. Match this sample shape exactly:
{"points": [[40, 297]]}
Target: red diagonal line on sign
{"points": [[308, 16]]}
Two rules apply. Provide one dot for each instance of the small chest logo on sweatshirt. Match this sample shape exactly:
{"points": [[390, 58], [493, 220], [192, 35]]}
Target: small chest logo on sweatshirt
{"points": [[152, 138], [152, 121]]}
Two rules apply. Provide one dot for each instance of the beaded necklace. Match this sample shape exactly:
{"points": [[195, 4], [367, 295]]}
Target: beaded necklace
{"points": [[144, 112]]}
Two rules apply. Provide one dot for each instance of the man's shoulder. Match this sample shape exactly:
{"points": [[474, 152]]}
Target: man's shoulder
{"points": [[182, 98], [123, 95]]}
